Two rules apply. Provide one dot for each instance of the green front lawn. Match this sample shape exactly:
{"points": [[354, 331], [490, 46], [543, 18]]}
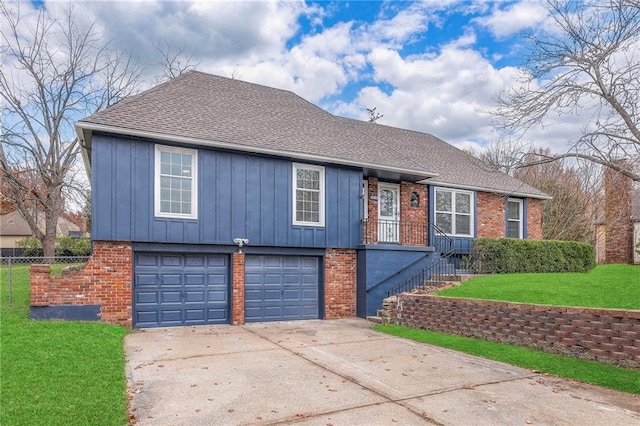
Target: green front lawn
{"points": [[57, 372], [623, 379], [606, 286]]}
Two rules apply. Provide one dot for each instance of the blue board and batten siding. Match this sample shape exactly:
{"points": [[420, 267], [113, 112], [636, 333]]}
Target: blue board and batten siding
{"points": [[239, 195]]}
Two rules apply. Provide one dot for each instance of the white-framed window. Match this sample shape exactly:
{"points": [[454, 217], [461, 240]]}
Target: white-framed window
{"points": [[308, 195], [454, 211], [176, 182], [514, 218]]}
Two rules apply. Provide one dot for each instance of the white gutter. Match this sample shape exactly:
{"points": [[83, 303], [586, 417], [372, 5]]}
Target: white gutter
{"points": [[231, 146]]}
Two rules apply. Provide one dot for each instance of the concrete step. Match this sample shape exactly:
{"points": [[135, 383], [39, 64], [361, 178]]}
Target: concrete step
{"points": [[374, 318]]}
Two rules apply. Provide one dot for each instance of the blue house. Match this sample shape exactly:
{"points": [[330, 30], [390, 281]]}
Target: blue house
{"points": [[233, 202]]}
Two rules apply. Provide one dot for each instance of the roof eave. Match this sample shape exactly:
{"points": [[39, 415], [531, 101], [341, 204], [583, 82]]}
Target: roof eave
{"points": [[84, 136], [85, 131], [521, 194]]}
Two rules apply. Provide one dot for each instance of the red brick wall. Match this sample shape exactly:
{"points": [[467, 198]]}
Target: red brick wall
{"points": [[413, 226], [609, 336], [237, 288], [339, 283], [491, 218], [105, 280], [534, 219], [618, 211]]}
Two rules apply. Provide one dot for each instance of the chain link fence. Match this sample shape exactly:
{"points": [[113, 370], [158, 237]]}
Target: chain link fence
{"points": [[8, 264]]}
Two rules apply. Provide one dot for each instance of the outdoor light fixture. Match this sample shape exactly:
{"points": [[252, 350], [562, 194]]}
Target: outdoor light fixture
{"points": [[415, 199], [240, 242]]}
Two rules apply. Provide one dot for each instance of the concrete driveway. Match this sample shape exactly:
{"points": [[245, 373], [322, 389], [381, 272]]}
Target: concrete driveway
{"points": [[340, 372]]}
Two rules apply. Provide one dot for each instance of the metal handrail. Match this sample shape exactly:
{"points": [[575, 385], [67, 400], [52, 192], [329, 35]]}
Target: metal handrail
{"points": [[431, 275], [403, 232]]}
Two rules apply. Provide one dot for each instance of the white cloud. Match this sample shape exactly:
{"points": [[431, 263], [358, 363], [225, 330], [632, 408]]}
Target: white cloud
{"points": [[443, 89], [514, 18], [446, 94]]}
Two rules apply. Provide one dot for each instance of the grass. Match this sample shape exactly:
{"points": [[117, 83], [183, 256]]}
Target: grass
{"points": [[57, 372], [622, 379], [606, 286]]}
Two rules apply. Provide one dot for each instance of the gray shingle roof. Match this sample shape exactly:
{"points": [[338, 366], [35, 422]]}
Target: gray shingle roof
{"points": [[217, 111], [13, 224]]}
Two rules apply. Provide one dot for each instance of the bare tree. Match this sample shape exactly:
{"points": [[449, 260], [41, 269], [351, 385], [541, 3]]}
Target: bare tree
{"points": [[56, 69], [575, 190], [587, 65], [174, 61], [373, 115], [506, 156]]}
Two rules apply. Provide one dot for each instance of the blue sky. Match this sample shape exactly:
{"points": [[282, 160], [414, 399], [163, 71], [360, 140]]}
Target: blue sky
{"points": [[434, 66]]}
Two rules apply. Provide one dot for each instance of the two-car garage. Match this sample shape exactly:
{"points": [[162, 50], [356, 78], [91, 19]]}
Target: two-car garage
{"points": [[174, 289]]}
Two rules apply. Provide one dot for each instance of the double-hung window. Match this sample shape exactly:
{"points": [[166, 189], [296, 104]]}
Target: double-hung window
{"points": [[454, 211], [514, 218], [308, 195], [176, 182]]}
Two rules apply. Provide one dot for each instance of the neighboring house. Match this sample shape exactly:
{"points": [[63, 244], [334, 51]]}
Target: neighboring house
{"points": [[618, 226], [335, 211], [13, 227]]}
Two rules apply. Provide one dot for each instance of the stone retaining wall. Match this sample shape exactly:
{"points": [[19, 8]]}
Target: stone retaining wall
{"points": [[603, 335]]}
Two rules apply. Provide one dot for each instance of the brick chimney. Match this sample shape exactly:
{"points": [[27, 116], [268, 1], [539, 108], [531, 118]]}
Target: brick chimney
{"points": [[618, 210]]}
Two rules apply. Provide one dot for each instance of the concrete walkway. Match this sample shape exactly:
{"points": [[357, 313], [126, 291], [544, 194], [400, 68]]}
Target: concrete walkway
{"points": [[342, 373]]}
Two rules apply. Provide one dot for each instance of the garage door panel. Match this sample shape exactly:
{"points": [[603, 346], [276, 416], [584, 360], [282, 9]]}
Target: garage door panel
{"points": [[146, 297], [281, 288], [171, 260], [194, 261], [195, 296], [169, 297], [194, 280], [173, 290], [217, 295], [195, 314], [146, 260], [147, 280], [171, 279], [147, 317], [216, 262]]}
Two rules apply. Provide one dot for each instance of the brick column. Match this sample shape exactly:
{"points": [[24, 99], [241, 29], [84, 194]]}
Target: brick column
{"points": [[618, 190], [371, 236], [534, 219], [340, 283], [39, 277], [237, 288], [413, 220]]}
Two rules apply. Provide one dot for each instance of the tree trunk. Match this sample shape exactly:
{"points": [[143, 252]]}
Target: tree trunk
{"points": [[49, 240]]}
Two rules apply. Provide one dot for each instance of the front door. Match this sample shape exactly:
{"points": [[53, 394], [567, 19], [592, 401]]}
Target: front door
{"points": [[388, 213]]}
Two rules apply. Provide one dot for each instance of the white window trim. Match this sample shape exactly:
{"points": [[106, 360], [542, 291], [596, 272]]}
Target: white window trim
{"points": [[365, 199], [194, 182], [521, 214], [294, 174], [471, 215]]}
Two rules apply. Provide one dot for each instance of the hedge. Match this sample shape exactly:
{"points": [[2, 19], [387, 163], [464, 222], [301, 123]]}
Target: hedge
{"points": [[64, 246], [510, 255]]}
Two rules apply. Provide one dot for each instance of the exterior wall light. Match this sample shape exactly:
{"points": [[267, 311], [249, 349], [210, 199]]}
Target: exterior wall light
{"points": [[415, 199], [240, 242]]}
